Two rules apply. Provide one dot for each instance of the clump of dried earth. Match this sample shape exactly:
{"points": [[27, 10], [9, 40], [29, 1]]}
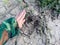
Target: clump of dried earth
{"points": [[40, 28]]}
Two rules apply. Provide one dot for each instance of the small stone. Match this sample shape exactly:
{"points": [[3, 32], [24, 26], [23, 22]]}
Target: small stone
{"points": [[31, 42]]}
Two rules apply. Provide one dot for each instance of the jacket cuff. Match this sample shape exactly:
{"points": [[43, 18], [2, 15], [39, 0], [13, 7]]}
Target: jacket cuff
{"points": [[10, 26]]}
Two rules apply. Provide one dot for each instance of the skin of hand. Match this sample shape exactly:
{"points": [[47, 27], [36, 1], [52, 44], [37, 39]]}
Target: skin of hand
{"points": [[20, 20]]}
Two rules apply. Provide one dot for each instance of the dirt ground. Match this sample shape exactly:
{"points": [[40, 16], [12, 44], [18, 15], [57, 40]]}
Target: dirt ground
{"points": [[40, 27]]}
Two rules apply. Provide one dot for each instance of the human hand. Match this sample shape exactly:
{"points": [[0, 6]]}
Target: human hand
{"points": [[20, 19]]}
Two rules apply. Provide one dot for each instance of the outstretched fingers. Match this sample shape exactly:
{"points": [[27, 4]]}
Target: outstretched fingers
{"points": [[20, 18], [21, 15]]}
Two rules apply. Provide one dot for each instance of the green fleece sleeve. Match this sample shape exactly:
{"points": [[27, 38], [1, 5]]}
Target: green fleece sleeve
{"points": [[10, 25]]}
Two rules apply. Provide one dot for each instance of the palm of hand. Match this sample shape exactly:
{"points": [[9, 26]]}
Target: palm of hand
{"points": [[20, 19]]}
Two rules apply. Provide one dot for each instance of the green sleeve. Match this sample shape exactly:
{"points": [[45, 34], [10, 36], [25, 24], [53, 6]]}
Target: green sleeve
{"points": [[10, 25]]}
